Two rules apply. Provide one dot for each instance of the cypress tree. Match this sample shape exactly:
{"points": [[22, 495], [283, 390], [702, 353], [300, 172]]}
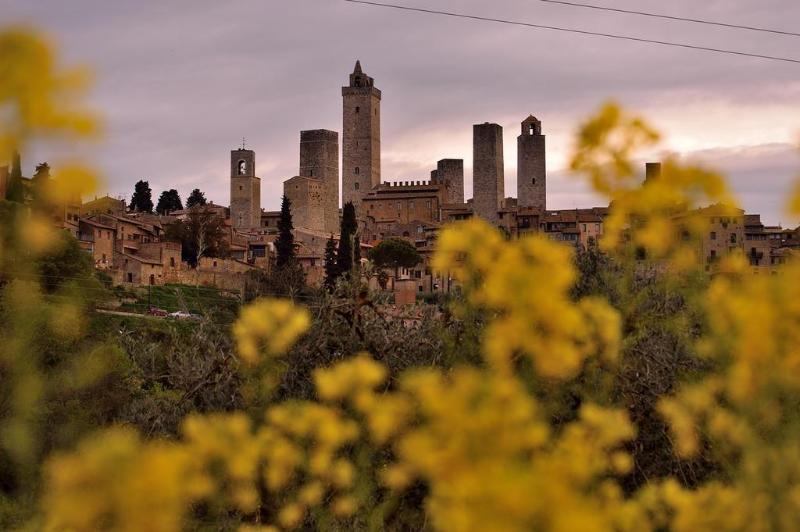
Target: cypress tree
{"points": [[142, 199], [284, 245], [16, 190], [331, 271], [344, 255]]}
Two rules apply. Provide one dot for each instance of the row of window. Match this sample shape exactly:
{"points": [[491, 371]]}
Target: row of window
{"points": [[713, 236]]}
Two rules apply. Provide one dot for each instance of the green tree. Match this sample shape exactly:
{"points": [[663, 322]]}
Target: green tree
{"points": [[142, 199], [202, 234], [394, 253], [169, 201], [330, 264], [357, 251], [16, 189], [349, 225], [284, 244], [195, 198]]}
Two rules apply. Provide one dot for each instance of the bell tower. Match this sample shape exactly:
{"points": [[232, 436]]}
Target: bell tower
{"points": [[361, 137], [531, 166], [245, 190]]}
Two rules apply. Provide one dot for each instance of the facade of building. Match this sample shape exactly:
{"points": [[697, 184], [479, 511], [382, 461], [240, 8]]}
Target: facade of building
{"points": [[531, 166], [245, 190], [488, 170], [308, 201], [319, 159], [361, 137]]}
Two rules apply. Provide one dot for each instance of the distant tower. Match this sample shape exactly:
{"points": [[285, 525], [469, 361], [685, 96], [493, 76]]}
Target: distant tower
{"points": [[488, 190], [531, 166], [245, 190], [451, 172], [319, 159], [361, 137]]}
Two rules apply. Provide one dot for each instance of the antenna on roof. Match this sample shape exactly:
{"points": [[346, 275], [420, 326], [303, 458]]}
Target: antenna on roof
{"points": [[243, 142]]}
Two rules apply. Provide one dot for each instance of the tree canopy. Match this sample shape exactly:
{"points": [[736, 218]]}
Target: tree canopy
{"points": [[169, 201], [195, 198], [202, 234], [142, 199], [395, 253]]}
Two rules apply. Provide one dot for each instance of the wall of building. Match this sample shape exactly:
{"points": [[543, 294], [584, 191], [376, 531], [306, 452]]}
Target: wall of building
{"points": [[531, 166], [245, 190], [488, 189], [307, 196], [319, 159], [451, 173], [361, 137]]}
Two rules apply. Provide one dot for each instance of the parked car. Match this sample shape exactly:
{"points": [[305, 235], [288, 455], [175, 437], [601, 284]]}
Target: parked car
{"points": [[155, 311], [181, 315]]}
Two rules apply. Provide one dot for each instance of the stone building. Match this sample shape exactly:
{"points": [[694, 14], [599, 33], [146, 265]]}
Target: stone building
{"points": [[361, 137], [531, 166], [450, 172], [391, 205], [488, 188], [245, 190], [104, 205], [97, 239], [319, 159], [308, 201]]}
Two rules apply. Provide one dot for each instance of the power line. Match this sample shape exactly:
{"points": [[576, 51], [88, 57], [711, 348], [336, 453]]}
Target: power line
{"points": [[671, 17], [573, 30]]}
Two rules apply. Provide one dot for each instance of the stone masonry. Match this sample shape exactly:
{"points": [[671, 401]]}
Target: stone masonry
{"points": [[361, 137], [245, 190], [450, 172], [308, 198], [319, 159], [531, 166], [488, 170]]}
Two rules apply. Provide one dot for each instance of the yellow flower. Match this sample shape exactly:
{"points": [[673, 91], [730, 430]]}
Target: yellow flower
{"points": [[269, 326]]}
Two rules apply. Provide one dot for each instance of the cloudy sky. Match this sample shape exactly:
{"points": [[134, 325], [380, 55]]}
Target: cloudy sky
{"points": [[182, 82]]}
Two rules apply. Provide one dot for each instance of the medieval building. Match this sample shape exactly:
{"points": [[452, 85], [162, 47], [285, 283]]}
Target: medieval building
{"points": [[245, 190], [361, 137]]}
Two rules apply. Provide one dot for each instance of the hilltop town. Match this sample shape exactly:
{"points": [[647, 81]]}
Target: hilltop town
{"points": [[134, 247]]}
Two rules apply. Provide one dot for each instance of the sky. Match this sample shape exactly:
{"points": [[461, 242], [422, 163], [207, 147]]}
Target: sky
{"points": [[180, 83]]}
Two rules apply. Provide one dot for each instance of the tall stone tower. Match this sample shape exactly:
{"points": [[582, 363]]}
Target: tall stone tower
{"points": [[319, 159], [531, 166], [245, 190], [451, 173], [361, 137], [488, 188]]}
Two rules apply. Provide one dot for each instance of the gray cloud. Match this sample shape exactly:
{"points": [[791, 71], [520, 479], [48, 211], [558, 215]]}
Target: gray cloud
{"points": [[182, 82]]}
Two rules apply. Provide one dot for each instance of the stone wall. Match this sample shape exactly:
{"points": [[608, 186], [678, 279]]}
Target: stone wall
{"points": [[531, 166], [451, 173], [319, 159], [307, 196], [488, 189], [361, 137], [245, 190]]}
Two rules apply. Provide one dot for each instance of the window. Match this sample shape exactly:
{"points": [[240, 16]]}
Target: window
{"points": [[533, 181], [130, 276], [215, 264], [713, 235], [358, 109], [584, 228], [355, 185], [733, 238], [357, 171], [172, 261], [411, 205], [240, 188], [104, 257]]}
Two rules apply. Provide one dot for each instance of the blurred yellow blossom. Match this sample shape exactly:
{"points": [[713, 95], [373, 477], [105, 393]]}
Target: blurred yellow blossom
{"points": [[269, 327]]}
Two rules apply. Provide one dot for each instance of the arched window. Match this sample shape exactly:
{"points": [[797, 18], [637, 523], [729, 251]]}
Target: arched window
{"points": [[242, 167], [533, 181], [357, 170], [531, 129], [355, 186]]}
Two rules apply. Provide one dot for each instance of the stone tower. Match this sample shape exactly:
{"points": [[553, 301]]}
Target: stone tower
{"points": [[361, 137], [488, 189], [245, 190], [451, 173], [531, 166], [319, 159]]}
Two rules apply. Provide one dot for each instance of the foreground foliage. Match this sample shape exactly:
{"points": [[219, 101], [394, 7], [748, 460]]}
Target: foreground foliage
{"points": [[534, 419]]}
